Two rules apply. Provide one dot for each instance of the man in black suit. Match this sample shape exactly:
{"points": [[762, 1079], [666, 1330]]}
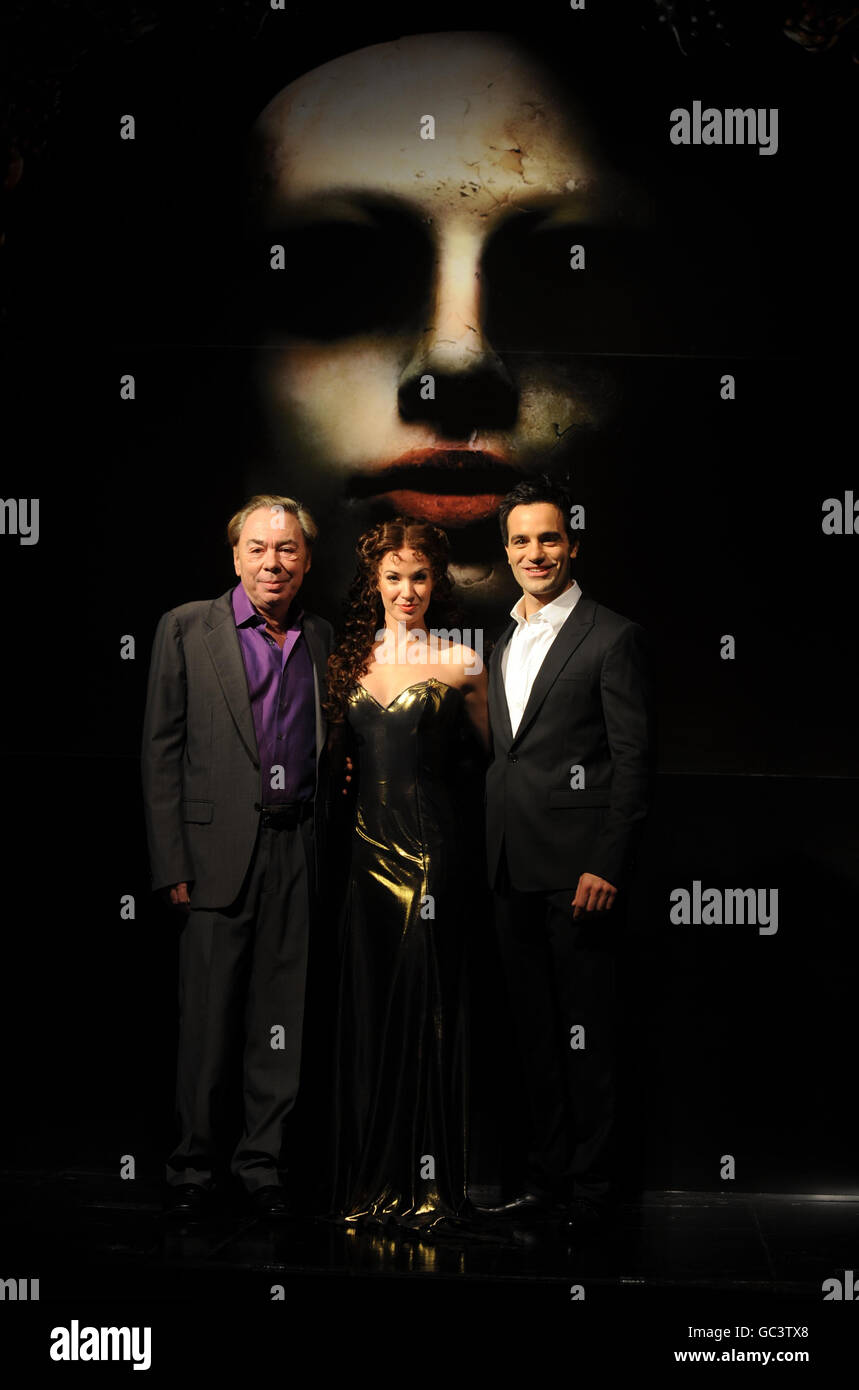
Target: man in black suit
{"points": [[233, 784], [567, 793]]}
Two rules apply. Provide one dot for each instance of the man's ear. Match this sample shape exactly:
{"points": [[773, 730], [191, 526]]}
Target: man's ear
{"points": [[236, 559]]}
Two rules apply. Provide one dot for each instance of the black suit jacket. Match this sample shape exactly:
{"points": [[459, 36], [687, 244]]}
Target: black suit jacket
{"points": [[590, 706], [200, 761]]}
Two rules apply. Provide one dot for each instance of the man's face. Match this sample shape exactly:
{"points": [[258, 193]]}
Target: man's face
{"points": [[539, 551], [271, 559], [419, 338], [405, 585]]}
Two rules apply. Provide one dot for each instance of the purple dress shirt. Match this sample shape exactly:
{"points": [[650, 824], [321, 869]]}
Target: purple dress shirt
{"points": [[280, 685]]}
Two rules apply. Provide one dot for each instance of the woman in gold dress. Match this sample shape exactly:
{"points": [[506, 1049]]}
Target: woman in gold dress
{"points": [[409, 698]]}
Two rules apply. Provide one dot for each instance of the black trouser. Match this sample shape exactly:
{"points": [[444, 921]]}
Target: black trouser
{"points": [[560, 974], [241, 981]]}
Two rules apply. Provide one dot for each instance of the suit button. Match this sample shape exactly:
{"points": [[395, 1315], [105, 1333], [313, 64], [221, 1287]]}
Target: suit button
{"points": [[257, 806], [511, 758]]}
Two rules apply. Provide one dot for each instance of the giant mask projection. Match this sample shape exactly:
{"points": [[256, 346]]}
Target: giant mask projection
{"points": [[451, 290]]}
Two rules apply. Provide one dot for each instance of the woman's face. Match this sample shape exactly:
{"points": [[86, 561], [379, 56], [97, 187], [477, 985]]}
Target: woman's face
{"points": [[405, 586], [421, 337]]}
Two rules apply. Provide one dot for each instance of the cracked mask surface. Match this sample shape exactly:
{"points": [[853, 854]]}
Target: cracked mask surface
{"points": [[411, 258]]}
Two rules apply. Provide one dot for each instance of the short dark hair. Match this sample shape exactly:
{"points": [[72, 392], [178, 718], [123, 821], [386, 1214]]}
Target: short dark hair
{"points": [[540, 488]]}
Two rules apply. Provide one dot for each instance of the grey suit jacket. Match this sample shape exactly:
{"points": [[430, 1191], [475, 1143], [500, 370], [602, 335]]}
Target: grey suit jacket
{"points": [[589, 707], [200, 761]]}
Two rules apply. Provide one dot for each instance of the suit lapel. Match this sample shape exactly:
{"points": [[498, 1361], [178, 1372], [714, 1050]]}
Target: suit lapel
{"points": [[574, 630], [319, 661], [222, 641], [224, 647], [499, 714]]}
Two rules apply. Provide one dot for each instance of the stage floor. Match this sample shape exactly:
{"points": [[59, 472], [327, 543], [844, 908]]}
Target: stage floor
{"points": [[113, 1235]]}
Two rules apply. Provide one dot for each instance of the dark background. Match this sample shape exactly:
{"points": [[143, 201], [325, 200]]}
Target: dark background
{"points": [[703, 519]]}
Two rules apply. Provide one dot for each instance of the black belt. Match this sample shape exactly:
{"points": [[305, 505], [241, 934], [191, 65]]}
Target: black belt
{"points": [[286, 816]]}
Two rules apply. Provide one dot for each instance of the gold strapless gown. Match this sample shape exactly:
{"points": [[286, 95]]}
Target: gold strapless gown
{"points": [[399, 1105]]}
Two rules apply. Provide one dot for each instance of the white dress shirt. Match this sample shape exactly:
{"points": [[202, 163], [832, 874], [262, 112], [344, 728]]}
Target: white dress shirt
{"points": [[526, 651]]}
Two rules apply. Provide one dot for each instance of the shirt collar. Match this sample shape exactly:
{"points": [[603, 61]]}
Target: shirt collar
{"points": [[247, 616], [554, 613]]}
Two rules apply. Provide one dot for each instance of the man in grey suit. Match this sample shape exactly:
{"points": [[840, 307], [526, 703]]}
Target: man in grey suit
{"points": [[566, 796], [233, 783]]}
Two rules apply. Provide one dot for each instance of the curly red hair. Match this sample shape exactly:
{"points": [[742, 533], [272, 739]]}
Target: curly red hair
{"points": [[363, 611]]}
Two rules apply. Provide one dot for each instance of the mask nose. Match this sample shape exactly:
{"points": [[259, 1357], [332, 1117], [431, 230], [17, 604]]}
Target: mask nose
{"points": [[471, 387]]}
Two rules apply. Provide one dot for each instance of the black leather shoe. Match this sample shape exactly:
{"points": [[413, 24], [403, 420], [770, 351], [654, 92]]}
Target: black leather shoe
{"points": [[189, 1201], [269, 1203], [528, 1207]]}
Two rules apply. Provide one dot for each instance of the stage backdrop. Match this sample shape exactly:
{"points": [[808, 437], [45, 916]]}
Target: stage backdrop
{"points": [[383, 273]]}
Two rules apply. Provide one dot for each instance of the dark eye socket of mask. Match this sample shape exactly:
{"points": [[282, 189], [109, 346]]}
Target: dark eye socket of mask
{"points": [[536, 302], [343, 279]]}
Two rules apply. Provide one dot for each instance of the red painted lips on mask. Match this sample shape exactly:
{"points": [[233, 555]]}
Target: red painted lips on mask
{"points": [[451, 486]]}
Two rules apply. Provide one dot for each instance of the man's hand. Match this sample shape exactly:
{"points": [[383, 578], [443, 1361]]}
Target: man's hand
{"points": [[593, 894], [178, 896], [348, 777]]}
